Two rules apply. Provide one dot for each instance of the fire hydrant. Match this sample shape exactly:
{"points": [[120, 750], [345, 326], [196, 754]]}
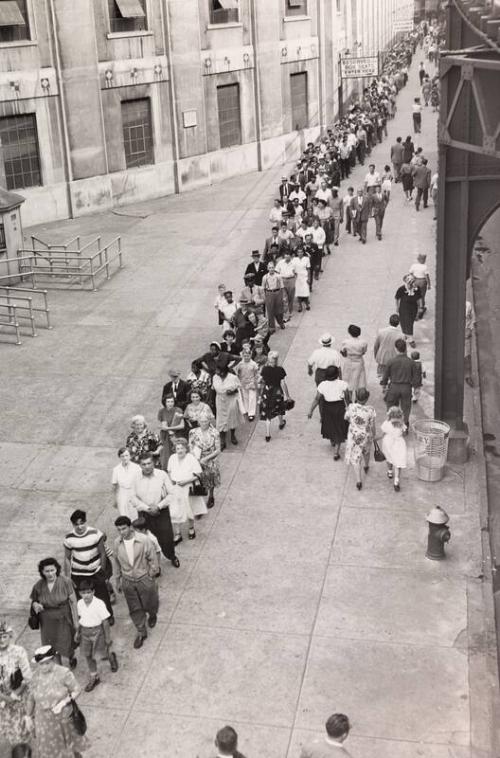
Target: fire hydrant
{"points": [[439, 534]]}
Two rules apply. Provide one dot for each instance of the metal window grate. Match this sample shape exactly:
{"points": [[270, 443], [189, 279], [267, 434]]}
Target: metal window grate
{"points": [[224, 11], [12, 32], [296, 7], [298, 96], [137, 132], [3, 243], [228, 105], [121, 18], [19, 139]]}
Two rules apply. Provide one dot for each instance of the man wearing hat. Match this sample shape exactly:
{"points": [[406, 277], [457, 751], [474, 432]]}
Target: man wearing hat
{"points": [[252, 293], [285, 189], [176, 387], [322, 358], [256, 267]]}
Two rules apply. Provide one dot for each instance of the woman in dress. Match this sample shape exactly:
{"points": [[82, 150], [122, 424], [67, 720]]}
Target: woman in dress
{"points": [[394, 444], [209, 360], [353, 365], [53, 599], [273, 393], [226, 387], [408, 149], [332, 395], [406, 179], [184, 470], [204, 444], [260, 351], [361, 419], [302, 292], [195, 409], [387, 180], [199, 379], [52, 689], [171, 421], [408, 302], [15, 676], [122, 480], [141, 440], [420, 272]]}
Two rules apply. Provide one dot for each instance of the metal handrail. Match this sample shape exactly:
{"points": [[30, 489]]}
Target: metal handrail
{"points": [[11, 321], [5, 302], [29, 293]]}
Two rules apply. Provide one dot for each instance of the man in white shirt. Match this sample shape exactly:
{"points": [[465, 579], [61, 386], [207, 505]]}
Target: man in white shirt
{"points": [[318, 234], [298, 193], [287, 270], [276, 214], [323, 357], [303, 229], [324, 193], [331, 744], [347, 210], [372, 178]]}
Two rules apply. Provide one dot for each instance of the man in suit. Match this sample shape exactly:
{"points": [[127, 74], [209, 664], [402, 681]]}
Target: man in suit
{"points": [[253, 293], [226, 743], [360, 211], [384, 347], [274, 239], [422, 181], [176, 387], [257, 268], [379, 204], [397, 152], [331, 744], [285, 189]]}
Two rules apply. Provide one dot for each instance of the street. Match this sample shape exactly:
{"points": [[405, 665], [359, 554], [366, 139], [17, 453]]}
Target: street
{"points": [[301, 595]]}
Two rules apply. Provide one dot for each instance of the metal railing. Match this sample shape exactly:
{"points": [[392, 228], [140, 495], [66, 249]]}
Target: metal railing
{"points": [[62, 265], [36, 300], [10, 320]]}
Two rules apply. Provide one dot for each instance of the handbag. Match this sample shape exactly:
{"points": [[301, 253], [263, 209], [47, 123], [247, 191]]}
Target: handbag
{"points": [[78, 719], [197, 489], [289, 404], [33, 618], [378, 455], [16, 679]]}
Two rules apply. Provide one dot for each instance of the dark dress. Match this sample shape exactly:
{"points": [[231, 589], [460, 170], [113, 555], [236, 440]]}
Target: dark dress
{"points": [[408, 308], [173, 417], [56, 620], [406, 179], [409, 149], [272, 400], [334, 427]]}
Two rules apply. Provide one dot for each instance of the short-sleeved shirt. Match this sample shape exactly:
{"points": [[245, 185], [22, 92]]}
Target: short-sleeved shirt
{"points": [[92, 614], [419, 270], [272, 376], [334, 390], [85, 555]]}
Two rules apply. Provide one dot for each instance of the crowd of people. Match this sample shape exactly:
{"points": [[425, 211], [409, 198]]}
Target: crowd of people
{"points": [[166, 480]]}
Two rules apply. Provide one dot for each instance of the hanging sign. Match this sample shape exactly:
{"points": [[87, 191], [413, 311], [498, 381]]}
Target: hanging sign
{"points": [[356, 68]]}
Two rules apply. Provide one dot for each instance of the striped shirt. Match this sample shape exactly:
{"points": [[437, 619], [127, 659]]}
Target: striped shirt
{"points": [[85, 558]]}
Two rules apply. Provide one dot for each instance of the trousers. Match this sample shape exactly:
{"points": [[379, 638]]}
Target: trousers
{"points": [[422, 194], [141, 596], [289, 293], [161, 526], [361, 227], [274, 308], [247, 401], [379, 220], [400, 394]]}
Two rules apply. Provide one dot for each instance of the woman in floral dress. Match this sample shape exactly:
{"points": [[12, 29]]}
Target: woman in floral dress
{"points": [[204, 443], [361, 418], [199, 379], [184, 470], [141, 440], [49, 703], [15, 675]]}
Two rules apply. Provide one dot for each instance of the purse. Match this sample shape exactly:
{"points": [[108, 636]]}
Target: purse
{"points": [[16, 679], [78, 719], [289, 404], [33, 618], [378, 455], [197, 489]]}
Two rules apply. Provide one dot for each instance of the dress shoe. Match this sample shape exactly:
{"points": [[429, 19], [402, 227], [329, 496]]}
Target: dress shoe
{"points": [[139, 641], [359, 485], [153, 618], [396, 487], [175, 562], [268, 438], [233, 438], [177, 539], [113, 662], [92, 684], [282, 326], [282, 424], [73, 662], [366, 469], [192, 534], [111, 621], [210, 502]]}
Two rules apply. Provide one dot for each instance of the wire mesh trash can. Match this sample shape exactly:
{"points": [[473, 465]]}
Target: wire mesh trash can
{"points": [[431, 448]]}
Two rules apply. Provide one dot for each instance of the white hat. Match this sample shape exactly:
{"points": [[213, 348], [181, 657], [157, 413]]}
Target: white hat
{"points": [[326, 339]]}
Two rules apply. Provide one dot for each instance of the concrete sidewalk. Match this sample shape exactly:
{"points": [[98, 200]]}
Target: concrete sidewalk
{"points": [[300, 596]]}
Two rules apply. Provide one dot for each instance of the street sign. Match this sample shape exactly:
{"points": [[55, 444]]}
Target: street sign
{"points": [[356, 68], [403, 25]]}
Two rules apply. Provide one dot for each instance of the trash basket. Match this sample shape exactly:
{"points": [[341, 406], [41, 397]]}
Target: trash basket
{"points": [[431, 448]]}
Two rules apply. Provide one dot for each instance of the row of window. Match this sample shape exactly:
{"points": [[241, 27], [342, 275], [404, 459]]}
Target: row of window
{"points": [[19, 139], [124, 16]]}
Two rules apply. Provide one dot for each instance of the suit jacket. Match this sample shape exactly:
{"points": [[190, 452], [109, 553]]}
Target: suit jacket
{"points": [[285, 189], [269, 242], [397, 152], [421, 177], [361, 212], [181, 394], [259, 270], [384, 347], [379, 204]]}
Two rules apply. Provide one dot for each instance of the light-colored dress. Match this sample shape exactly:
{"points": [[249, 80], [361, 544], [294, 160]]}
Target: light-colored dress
{"points": [[394, 444], [226, 406], [361, 432], [55, 736], [183, 506], [193, 412], [301, 282], [204, 442], [123, 477], [12, 728], [353, 365]]}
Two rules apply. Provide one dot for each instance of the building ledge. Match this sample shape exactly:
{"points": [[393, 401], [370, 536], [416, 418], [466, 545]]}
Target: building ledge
{"points": [[125, 35], [229, 25], [291, 19], [19, 43]]}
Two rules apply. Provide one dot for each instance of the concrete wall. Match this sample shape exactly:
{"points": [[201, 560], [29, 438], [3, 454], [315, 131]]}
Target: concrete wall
{"points": [[177, 63]]}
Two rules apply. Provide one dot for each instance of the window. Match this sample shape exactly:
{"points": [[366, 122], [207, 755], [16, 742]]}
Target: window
{"points": [[14, 24], [298, 92], [224, 11], [3, 243], [127, 15], [296, 8], [19, 140], [228, 105], [137, 132]]}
